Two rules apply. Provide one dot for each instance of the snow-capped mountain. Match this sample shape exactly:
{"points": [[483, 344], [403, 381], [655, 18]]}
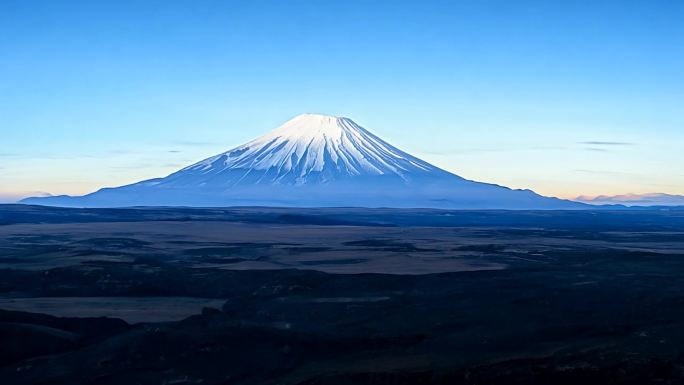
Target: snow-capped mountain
{"points": [[651, 199], [308, 149], [313, 160]]}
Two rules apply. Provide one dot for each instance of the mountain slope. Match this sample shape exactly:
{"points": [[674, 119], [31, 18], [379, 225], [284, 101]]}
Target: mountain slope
{"points": [[313, 160]]}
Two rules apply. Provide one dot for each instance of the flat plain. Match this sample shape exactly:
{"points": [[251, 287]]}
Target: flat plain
{"points": [[336, 296]]}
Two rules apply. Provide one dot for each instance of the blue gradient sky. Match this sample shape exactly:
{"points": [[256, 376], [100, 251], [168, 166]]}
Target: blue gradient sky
{"points": [[566, 98]]}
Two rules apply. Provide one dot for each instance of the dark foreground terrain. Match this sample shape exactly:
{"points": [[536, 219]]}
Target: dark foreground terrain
{"points": [[340, 296]]}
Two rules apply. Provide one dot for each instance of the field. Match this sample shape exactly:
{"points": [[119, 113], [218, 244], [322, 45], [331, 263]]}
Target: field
{"points": [[339, 296]]}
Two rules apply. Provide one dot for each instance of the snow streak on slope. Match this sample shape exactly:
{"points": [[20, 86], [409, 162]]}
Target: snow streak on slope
{"points": [[311, 149]]}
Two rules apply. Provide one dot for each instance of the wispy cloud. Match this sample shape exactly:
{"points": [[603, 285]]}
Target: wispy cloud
{"points": [[49, 156], [488, 150], [460, 151], [606, 143], [600, 172], [194, 144], [147, 165], [603, 145], [131, 167]]}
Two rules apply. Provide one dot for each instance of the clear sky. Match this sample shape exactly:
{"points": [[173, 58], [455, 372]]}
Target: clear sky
{"points": [[563, 97]]}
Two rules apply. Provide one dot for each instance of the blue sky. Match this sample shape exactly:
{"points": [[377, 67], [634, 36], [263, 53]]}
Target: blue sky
{"points": [[566, 98]]}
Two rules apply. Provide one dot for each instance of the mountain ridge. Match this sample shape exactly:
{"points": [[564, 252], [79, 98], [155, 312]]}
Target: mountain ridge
{"points": [[648, 199]]}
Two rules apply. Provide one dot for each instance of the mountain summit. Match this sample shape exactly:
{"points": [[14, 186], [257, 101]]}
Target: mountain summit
{"points": [[308, 149], [313, 160]]}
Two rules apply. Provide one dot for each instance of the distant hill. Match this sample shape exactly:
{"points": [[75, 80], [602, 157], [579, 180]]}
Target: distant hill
{"points": [[653, 199]]}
